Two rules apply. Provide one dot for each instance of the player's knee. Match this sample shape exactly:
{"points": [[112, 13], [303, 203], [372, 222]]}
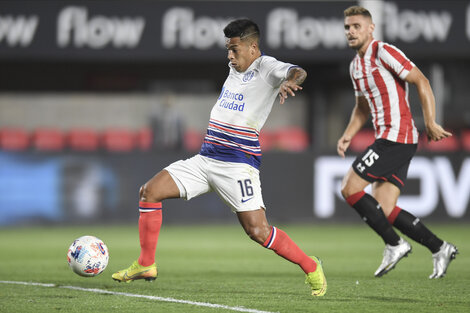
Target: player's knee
{"points": [[147, 194], [258, 233], [141, 191], [346, 191]]}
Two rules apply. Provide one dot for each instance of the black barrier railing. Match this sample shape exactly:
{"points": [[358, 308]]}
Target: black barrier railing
{"points": [[297, 187]]}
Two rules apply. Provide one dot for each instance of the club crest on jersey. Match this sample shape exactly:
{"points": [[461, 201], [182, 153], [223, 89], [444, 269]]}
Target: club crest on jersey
{"points": [[248, 76], [357, 74]]}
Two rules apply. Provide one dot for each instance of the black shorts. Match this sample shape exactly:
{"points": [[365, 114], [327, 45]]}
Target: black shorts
{"points": [[385, 160]]}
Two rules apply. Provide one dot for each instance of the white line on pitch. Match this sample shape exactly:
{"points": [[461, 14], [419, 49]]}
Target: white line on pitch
{"points": [[133, 295]]}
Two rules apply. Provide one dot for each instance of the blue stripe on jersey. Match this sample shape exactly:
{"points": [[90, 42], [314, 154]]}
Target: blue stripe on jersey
{"points": [[220, 152], [232, 143], [252, 145]]}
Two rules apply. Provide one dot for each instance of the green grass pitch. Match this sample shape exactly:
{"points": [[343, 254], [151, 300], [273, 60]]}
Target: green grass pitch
{"points": [[220, 264]]}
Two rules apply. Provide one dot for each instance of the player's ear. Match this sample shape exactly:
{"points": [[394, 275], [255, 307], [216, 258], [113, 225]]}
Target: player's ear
{"points": [[371, 27], [253, 47]]}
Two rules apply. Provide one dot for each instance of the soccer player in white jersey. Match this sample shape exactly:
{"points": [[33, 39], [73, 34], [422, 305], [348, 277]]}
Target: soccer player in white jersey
{"points": [[380, 74], [230, 156]]}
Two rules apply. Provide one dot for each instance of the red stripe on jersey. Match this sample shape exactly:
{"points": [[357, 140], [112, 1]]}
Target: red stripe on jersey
{"points": [[388, 67], [404, 112], [384, 95], [409, 136], [237, 126], [371, 96], [405, 133], [233, 131], [399, 57]]}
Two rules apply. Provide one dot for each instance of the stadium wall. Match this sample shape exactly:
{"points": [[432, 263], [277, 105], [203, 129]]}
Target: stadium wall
{"points": [[297, 187]]}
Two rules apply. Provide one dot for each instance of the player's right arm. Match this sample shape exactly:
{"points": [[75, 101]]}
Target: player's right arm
{"points": [[359, 117], [295, 77]]}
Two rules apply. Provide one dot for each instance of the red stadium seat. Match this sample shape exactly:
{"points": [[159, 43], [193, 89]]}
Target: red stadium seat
{"points": [[362, 140], [465, 139], [83, 139], [15, 139], [293, 139], [449, 144], [48, 139], [193, 139], [145, 138], [119, 140], [267, 140]]}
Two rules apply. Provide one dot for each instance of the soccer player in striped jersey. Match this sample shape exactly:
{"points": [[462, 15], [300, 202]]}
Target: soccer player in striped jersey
{"points": [[380, 74], [230, 157]]}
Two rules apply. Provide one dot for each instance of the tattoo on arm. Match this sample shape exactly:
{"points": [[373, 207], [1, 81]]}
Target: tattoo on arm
{"points": [[297, 75]]}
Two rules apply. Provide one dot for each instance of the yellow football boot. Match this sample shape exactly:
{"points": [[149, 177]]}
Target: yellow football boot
{"points": [[317, 279], [136, 271]]}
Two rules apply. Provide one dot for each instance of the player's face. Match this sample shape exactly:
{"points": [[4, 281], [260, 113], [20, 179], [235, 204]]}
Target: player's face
{"points": [[240, 53], [358, 30]]}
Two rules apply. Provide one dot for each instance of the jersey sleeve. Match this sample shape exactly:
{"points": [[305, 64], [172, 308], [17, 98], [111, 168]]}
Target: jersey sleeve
{"points": [[395, 60], [357, 91], [273, 71]]}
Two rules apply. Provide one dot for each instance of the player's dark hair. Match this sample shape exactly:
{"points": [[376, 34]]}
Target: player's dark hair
{"points": [[357, 10], [243, 28]]}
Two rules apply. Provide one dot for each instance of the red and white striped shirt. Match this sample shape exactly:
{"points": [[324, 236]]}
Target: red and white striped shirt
{"points": [[379, 77]]}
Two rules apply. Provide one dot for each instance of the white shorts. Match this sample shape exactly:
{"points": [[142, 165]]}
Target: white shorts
{"points": [[237, 184]]}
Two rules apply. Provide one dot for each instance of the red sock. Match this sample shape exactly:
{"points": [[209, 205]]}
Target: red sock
{"points": [[150, 221], [279, 242]]}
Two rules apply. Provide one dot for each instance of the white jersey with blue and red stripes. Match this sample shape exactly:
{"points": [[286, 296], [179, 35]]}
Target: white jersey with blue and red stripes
{"points": [[241, 110], [379, 76]]}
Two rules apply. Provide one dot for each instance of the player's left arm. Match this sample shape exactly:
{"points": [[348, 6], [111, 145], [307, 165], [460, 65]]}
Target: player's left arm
{"points": [[434, 131], [295, 78]]}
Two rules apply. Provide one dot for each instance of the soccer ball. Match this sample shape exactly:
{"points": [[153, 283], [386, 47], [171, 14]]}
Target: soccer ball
{"points": [[88, 256]]}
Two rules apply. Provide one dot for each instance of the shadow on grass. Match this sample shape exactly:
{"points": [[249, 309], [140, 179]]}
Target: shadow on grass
{"points": [[394, 299]]}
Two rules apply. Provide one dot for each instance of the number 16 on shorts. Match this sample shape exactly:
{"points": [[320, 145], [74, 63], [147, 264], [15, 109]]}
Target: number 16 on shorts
{"points": [[246, 189]]}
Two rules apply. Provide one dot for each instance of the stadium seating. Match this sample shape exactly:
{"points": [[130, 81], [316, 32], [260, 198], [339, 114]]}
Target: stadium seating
{"points": [[362, 140], [83, 139], [192, 140], [119, 140], [448, 144], [48, 139], [267, 140], [14, 139], [293, 139], [145, 139], [465, 139]]}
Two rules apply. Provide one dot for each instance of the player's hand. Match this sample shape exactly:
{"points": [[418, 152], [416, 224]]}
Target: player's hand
{"points": [[435, 132], [343, 145], [287, 88]]}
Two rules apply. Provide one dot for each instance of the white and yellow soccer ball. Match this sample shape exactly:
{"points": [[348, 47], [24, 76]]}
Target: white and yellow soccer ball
{"points": [[88, 256]]}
